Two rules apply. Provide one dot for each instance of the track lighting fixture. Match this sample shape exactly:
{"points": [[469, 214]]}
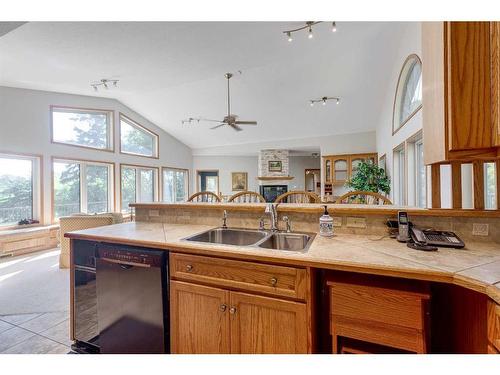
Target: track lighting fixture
{"points": [[309, 27], [324, 99], [104, 83]]}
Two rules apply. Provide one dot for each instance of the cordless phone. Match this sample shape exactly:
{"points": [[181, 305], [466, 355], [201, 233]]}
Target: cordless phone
{"points": [[403, 227]]}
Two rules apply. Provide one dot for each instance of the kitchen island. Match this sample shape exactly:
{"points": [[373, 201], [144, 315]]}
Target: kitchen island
{"points": [[288, 290]]}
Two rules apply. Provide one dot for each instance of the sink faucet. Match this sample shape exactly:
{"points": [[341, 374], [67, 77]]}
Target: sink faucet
{"points": [[271, 210], [224, 220]]}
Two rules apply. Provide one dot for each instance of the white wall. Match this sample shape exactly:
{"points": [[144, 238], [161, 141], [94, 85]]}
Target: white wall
{"points": [[298, 165], [226, 165], [249, 164], [25, 128], [410, 43]]}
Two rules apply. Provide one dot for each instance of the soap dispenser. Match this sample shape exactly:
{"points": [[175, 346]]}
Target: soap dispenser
{"points": [[326, 224]]}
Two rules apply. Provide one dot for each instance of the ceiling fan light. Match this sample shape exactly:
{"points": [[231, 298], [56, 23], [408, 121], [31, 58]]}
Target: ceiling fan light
{"points": [[334, 27], [311, 103], [338, 101], [289, 35], [310, 36], [324, 102]]}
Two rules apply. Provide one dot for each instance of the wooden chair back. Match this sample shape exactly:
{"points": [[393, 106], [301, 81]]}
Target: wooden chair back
{"points": [[247, 197], [297, 196], [204, 196], [363, 197]]}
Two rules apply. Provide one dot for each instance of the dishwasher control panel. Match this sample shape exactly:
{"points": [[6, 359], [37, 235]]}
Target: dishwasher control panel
{"points": [[131, 256]]}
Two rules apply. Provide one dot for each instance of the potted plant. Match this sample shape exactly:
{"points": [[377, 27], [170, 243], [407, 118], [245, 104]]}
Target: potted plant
{"points": [[369, 177]]}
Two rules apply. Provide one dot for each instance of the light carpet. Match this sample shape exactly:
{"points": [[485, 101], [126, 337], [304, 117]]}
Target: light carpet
{"points": [[33, 283]]}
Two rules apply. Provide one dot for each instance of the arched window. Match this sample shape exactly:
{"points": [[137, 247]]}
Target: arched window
{"points": [[408, 98]]}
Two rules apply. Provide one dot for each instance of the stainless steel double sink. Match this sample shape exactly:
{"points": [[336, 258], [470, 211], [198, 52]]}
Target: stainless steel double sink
{"points": [[288, 241]]}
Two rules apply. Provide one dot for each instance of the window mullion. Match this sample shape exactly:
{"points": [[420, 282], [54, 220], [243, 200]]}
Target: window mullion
{"points": [[83, 188]]}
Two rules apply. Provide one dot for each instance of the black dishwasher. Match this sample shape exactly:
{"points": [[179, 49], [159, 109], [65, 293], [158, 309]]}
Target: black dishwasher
{"points": [[132, 300]]}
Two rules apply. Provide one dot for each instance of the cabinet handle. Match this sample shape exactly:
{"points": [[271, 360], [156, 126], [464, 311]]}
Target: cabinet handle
{"points": [[189, 268], [274, 281], [223, 307], [232, 310]]}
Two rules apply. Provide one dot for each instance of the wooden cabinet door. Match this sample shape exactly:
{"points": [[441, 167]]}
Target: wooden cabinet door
{"points": [[340, 170], [495, 80], [199, 319], [266, 325], [328, 170]]}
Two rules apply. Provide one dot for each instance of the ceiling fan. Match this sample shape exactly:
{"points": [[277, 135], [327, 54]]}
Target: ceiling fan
{"points": [[229, 120]]}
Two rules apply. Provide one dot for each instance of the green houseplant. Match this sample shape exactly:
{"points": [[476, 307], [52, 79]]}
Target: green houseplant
{"points": [[369, 177]]}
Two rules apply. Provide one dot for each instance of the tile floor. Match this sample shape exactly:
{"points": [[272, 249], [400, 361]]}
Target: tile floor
{"points": [[39, 333], [34, 317]]}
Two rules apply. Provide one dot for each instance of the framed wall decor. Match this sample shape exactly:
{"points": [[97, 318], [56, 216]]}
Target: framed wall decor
{"points": [[275, 166], [239, 181]]}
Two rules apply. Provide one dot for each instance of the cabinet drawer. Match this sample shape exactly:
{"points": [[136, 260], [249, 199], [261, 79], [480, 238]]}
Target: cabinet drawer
{"points": [[494, 324], [270, 279], [382, 304]]}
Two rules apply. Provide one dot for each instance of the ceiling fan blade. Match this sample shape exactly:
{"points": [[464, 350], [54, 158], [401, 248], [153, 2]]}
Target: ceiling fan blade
{"points": [[235, 127], [246, 122], [218, 126]]}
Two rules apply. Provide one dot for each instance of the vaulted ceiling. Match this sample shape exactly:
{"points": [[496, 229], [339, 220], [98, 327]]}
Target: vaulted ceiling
{"points": [[170, 71]]}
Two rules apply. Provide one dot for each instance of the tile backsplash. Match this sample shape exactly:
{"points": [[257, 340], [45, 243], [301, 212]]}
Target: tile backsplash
{"points": [[309, 222]]}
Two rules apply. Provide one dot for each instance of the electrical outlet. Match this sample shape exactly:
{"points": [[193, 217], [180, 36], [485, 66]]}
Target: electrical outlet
{"points": [[154, 213], [480, 229], [337, 221], [356, 222]]}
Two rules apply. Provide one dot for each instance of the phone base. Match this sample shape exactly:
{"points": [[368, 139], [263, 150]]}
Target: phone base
{"points": [[415, 246], [401, 238]]}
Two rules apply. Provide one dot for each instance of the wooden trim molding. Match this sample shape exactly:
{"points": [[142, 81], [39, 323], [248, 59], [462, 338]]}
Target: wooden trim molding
{"points": [[436, 185], [456, 185], [274, 178], [478, 172]]}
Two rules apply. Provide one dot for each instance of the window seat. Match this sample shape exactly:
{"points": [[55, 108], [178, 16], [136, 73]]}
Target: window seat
{"points": [[26, 240]]}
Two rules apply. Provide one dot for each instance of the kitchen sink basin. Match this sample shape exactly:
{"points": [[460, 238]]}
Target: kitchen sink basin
{"points": [[229, 236], [287, 241]]}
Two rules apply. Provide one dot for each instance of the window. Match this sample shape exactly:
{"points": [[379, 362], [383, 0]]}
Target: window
{"points": [[82, 127], [175, 185], [137, 140], [399, 175], [420, 175], [408, 98], [20, 189], [208, 181], [138, 184], [490, 186], [82, 186]]}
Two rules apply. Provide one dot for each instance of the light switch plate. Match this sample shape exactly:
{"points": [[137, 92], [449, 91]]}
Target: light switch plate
{"points": [[337, 221], [356, 222], [154, 213], [480, 229]]}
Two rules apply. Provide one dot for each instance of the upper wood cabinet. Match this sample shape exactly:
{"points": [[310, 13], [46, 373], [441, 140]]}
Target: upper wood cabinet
{"points": [[340, 168], [460, 100]]}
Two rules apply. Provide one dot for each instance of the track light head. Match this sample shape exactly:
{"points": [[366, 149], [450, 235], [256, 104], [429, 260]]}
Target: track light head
{"points": [[289, 35]]}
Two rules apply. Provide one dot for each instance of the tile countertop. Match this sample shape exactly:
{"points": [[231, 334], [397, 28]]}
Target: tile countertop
{"points": [[476, 267]]}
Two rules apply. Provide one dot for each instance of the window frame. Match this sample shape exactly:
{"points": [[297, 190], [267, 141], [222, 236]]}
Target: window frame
{"points": [[411, 115], [198, 179], [83, 187], [36, 186], [399, 183], [156, 185], [186, 181], [136, 125], [110, 126]]}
